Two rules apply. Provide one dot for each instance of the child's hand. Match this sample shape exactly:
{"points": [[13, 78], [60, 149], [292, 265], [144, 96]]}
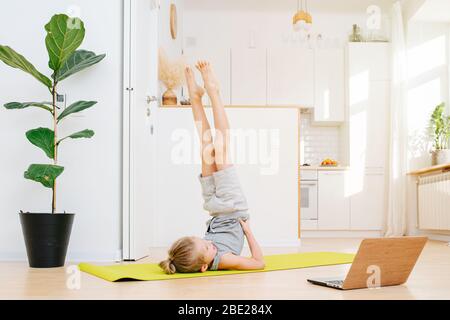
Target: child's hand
{"points": [[245, 225]]}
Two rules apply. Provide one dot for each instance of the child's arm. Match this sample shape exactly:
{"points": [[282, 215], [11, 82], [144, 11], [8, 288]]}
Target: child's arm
{"points": [[252, 243], [231, 261]]}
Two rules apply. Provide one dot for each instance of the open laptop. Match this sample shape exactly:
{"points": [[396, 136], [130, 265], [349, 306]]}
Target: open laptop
{"points": [[378, 263]]}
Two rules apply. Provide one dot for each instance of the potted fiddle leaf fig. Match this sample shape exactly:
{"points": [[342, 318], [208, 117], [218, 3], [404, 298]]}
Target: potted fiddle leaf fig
{"points": [[440, 132], [47, 234]]}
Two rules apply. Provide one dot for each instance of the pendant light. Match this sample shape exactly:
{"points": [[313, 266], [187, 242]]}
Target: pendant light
{"points": [[302, 19]]}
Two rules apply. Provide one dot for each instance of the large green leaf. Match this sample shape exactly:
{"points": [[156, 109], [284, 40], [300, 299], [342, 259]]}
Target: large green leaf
{"points": [[79, 60], [81, 134], [64, 36], [43, 138], [43, 173], [23, 105], [76, 107], [15, 60]]}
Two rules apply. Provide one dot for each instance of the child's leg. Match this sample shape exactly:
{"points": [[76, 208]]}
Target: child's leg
{"points": [[221, 124], [202, 124]]}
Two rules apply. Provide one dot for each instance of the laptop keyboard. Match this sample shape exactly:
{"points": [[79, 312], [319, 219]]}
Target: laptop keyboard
{"points": [[339, 283]]}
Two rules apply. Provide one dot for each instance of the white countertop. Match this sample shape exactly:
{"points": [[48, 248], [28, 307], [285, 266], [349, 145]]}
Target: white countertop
{"points": [[325, 168]]}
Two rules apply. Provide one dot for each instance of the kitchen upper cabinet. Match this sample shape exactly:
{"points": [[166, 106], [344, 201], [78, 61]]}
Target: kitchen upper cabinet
{"points": [[290, 77], [221, 62], [368, 204], [248, 77], [370, 59], [329, 85], [334, 201]]}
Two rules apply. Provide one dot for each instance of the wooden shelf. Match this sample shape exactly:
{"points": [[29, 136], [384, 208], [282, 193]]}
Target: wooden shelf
{"points": [[429, 170]]}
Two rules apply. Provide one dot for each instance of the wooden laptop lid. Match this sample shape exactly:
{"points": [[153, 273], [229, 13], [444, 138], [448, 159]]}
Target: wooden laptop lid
{"points": [[384, 262]]}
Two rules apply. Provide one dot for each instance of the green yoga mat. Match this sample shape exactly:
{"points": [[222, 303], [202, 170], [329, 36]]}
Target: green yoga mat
{"points": [[151, 271]]}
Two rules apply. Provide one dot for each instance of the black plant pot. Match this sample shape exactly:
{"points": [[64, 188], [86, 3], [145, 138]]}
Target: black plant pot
{"points": [[46, 238]]}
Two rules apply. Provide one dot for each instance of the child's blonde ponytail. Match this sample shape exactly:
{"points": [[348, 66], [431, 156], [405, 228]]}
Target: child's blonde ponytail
{"points": [[168, 266]]}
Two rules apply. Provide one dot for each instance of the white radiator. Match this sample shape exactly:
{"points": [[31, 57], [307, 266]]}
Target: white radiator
{"points": [[434, 202]]}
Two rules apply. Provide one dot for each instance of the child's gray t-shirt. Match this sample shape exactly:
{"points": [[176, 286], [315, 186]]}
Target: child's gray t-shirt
{"points": [[227, 235], [226, 203]]}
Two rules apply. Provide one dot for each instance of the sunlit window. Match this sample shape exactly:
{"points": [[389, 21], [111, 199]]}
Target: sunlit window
{"points": [[427, 56]]}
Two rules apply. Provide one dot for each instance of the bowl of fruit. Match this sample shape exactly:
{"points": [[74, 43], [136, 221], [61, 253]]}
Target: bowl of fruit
{"points": [[329, 163]]}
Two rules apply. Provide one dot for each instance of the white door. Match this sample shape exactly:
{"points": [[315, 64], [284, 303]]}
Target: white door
{"points": [[140, 82], [290, 77], [334, 201]]}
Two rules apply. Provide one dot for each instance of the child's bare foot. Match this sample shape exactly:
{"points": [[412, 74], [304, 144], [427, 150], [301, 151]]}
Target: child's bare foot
{"points": [[211, 83], [195, 91]]}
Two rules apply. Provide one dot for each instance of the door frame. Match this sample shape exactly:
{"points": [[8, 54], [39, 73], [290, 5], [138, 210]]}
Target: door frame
{"points": [[126, 107], [130, 41]]}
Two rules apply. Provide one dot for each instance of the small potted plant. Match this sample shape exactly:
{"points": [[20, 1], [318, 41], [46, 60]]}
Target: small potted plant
{"points": [[47, 234], [440, 132]]}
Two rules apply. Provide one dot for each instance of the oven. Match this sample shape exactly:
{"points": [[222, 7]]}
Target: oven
{"points": [[308, 195]]}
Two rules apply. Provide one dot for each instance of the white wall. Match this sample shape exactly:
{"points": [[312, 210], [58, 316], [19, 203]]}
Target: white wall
{"points": [[428, 64], [91, 183], [173, 47]]}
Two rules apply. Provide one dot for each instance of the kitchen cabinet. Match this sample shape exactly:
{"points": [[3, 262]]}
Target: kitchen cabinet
{"points": [[368, 100], [264, 148], [329, 86], [334, 201], [221, 62], [248, 77], [368, 128], [368, 203], [290, 77], [279, 77], [378, 125], [371, 59]]}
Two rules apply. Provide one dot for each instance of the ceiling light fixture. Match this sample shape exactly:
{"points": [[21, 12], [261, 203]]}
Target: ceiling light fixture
{"points": [[302, 19]]}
